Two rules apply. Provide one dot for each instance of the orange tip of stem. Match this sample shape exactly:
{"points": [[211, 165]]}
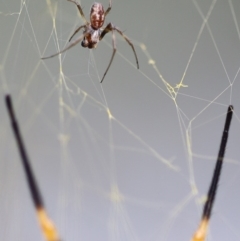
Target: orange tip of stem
{"points": [[201, 233], [47, 226]]}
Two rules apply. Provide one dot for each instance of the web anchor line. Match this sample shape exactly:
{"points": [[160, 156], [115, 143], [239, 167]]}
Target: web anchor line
{"points": [[201, 233], [47, 226]]}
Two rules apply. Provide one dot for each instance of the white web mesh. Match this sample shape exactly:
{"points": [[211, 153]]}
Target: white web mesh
{"points": [[131, 158]]}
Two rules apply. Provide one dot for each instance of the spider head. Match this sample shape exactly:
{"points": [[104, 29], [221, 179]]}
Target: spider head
{"points": [[91, 39], [89, 45], [97, 16]]}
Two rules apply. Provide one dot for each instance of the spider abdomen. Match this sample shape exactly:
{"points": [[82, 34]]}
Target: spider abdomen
{"points": [[97, 15]]}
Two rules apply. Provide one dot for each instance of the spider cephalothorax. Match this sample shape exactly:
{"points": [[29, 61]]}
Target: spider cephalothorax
{"points": [[93, 32]]}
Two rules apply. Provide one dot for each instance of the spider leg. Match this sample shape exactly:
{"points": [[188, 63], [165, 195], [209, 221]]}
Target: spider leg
{"points": [[76, 31], [111, 27], [109, 8], [79, 9], [68, 47], [105, 31], [129, 42]]}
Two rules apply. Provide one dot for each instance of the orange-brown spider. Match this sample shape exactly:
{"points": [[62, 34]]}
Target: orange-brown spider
{"points": [[93, 31]]}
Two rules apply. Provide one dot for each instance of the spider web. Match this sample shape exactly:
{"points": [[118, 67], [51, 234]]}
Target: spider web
{"points": [[131, 158]]}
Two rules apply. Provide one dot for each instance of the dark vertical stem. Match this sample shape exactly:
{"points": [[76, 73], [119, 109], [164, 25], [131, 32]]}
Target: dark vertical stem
{"points": [[213, 188], [35, 192]]}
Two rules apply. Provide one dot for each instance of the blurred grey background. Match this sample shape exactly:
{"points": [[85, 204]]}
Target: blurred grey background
{"points": [[130, 159]]}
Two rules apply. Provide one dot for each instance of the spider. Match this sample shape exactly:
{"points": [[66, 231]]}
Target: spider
{"points": [[47, 226], [93, 31]]}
